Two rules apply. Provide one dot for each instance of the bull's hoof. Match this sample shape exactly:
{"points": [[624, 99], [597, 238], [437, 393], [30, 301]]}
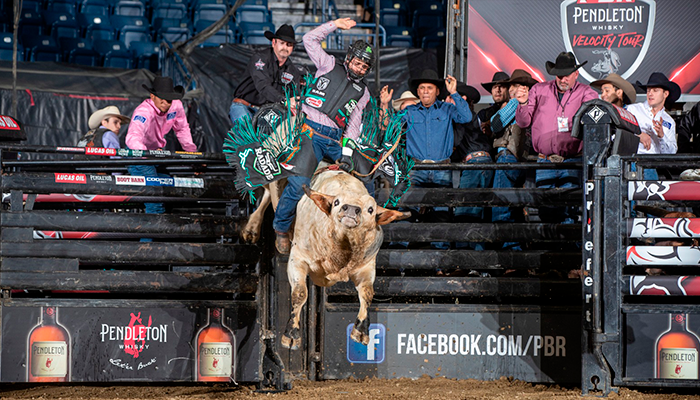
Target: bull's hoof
{"points": [[250, 236], [359, 337], [289, 343]]}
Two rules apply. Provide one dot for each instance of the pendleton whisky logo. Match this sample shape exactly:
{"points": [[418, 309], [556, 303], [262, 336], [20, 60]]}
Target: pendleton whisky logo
{"points": [[612, 35], [135, 337]]}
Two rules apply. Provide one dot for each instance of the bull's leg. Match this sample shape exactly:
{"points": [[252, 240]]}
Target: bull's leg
{"points": [[360, 332], [251, 230], [296, 272]]}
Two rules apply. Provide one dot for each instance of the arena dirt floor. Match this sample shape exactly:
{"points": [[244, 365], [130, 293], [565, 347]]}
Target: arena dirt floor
{"points": [[373, 389]]}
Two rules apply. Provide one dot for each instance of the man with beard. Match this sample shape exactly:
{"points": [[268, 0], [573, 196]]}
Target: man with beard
{"points": [[267, 75], [548, 109], [498, 87]]}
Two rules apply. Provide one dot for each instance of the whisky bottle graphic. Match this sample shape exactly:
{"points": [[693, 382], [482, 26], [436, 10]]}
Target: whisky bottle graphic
{"points": [[677, 351], [48, 349], [216, 349]]}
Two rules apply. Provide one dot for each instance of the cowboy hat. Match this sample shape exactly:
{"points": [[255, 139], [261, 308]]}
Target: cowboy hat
{"points": [[522, 77], [616, 80], [407, 95], [110, 111], [427, 76], [470, 91], [499, 77], [565, 64], [163, 88], [284, 32], [657, 79]]}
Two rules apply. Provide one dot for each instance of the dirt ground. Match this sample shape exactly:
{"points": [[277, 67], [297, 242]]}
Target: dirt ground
{"points": [[374, 389]]}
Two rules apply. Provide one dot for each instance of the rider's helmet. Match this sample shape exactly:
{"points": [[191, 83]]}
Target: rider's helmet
{"points": [[362, 51]]}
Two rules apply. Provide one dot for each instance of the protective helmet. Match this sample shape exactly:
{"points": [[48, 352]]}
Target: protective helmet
{"points": [[363, 51]]}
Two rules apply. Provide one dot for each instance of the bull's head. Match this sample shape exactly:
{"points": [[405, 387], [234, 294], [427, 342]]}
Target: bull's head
{"points": [[352, 211]]}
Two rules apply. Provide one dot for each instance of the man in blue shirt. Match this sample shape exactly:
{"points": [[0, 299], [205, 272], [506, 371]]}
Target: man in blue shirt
{"points": [[430, 137]]}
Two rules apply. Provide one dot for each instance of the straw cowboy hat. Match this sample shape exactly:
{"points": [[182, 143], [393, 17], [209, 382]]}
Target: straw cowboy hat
{"points": [[427, 76], [110, 111], [657, 79], [522, 77], [614, 79], [284, 32], [163, 88], [565, 64], [407, 95], [499, 77]]}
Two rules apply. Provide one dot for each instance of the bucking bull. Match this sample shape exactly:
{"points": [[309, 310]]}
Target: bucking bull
{"points": [[336, 237]]}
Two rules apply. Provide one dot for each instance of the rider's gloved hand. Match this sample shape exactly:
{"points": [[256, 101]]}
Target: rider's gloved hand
{"points": [[345, 162]]}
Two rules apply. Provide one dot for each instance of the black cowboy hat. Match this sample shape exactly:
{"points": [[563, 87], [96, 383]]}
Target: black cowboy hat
{"points": [[499, 77], [163, 88], [522, 77], [657, 79], [470, 91], [427, 76], [565, 64], [284, 32]]}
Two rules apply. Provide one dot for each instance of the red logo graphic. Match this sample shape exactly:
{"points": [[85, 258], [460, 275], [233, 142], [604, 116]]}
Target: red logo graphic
{"points": [[48, 362], [100, 151], [316, 103], [70, 178], [215, 363], [135, 345], [678, 369]]}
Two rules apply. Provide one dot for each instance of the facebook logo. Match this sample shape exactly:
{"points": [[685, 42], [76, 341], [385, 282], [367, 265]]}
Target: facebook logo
{"points": [[374, 352]]}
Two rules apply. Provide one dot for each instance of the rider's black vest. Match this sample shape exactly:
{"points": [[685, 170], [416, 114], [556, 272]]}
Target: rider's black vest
{"points": [[334, 95]]}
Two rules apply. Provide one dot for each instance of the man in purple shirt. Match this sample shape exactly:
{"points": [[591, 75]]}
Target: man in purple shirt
{"points": [[333, 103], [548, 109]]}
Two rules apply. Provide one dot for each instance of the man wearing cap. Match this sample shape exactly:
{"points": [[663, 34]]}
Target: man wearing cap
{"points": [[152, 120], [652, 117], [104, 127], [498, 87], [334, 101], [548, 109], [509, 142], [267, 75]]}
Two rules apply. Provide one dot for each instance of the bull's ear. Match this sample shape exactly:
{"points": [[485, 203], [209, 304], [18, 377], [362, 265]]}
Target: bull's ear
{"points": [[323, 201], [385, 216]]}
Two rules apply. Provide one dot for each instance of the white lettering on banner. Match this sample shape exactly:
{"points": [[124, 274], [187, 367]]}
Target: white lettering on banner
{"points": [[496, 345], [595, 15]]}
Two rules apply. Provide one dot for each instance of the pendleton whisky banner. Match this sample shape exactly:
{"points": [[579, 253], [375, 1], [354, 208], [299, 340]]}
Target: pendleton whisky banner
{"points": [[107, 344], [662, 346], [632, 38]]}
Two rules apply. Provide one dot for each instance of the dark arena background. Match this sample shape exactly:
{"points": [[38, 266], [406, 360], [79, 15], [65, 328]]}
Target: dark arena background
{"points": [[88, 310]]}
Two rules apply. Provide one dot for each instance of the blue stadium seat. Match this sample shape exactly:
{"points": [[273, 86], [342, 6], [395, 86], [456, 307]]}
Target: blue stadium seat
{"points": [[225, 35], [62, 6], [31, 23], [79, 51], [254, 32], [169, 10], [174, 30], [432, 39], [41, 48], [94, 7], [393, 13], [7, 45], [427, 19], [96, 27], [210, 10], [130, 8], [425, 5], [256, 3], [253, 14], [131, 29], [114, 54], [400, 36], [61, 24], [145, 55], [29, 5]]}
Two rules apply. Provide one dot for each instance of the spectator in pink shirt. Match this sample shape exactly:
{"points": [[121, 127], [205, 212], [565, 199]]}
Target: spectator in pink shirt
{"points": [[548, 109]]}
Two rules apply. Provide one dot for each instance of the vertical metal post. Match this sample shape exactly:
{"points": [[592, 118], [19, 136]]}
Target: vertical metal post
{"points": [[377, 46], [450, 40], [17, 8], [464, 39]]}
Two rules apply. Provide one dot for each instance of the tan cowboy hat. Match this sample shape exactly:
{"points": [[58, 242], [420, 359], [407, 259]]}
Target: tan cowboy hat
{"points": [[96, 118], [407, 95], [615, 79]]}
